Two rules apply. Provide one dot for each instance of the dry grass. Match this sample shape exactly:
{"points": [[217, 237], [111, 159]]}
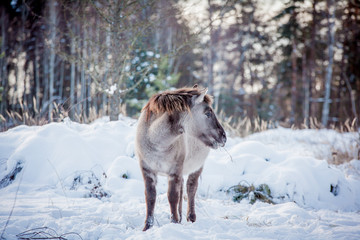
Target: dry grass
{"points": [[345, 149], [34, 117], [242, 127], [30, 116]]}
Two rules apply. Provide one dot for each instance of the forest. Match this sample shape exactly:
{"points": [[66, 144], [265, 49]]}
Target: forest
{"points": [[290, 62]]}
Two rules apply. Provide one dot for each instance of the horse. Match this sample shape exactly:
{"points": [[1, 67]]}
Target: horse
{"points": [[175, 132]]}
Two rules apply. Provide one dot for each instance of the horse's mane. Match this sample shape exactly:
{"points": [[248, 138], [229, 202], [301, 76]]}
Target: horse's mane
{"points": [[179, 100]]}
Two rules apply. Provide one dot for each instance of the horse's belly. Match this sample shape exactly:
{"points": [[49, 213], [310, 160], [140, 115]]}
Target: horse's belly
{"points": [[161, 163], [167, 164], [188, 156], [190, 167]]}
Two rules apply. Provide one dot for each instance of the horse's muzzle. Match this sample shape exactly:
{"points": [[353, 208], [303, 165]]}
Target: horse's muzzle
{"points": [[219, 141], [223, 139]]}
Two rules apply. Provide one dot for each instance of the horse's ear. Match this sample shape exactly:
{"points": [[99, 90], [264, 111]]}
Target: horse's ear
{"points": [[200, 98], [195, 86]]}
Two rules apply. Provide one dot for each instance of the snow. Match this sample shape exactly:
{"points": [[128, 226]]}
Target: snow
{"points": [[149, 53], [112, 89], [67, 167], [152, 77]]}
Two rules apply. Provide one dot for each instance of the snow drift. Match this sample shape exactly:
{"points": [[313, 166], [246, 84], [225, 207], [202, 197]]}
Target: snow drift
{"points": [[97, 161], [59, 152]]}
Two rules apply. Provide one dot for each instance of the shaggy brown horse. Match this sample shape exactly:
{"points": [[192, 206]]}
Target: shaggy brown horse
{"points": [[175, 132]]}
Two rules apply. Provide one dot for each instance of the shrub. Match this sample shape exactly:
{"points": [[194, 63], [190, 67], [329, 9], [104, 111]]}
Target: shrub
{"points": [[250, 192]]}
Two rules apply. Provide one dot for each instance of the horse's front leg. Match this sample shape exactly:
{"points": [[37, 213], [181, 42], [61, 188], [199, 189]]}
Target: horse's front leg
{"points": [[181, 199], [191, 187], [174, 194], [150, 196]]}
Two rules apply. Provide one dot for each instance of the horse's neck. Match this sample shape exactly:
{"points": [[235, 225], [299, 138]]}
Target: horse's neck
{"points": [[162, 132]]}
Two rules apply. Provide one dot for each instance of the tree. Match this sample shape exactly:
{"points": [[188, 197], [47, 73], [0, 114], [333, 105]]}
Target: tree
{"points": [[292, 32], [351, 56], [96, 58], [52, 40], [3, 61], [329, 68]]}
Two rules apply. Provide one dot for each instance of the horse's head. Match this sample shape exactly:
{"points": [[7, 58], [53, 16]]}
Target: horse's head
{"points": [[190, 107], [203, 123]]}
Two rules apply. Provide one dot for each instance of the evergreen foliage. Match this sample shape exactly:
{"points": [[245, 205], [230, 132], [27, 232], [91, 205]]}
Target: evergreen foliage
{"points": [[251, 193]]}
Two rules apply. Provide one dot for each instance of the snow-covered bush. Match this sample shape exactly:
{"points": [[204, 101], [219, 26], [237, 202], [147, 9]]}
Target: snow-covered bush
{"points": [[10, 177], [88, 184], [251, 193]]}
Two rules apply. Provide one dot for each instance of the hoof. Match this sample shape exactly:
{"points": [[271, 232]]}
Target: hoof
{"points": [[146, 227], [148, 223], [174, 220], [191, 217]]}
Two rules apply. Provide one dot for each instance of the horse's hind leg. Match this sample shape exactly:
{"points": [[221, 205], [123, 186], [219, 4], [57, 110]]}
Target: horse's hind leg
{"points": [[150, 196], [191, 187], [174, 192]]}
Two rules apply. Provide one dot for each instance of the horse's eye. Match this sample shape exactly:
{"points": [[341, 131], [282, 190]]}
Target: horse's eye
{"points": [[208, 114]]}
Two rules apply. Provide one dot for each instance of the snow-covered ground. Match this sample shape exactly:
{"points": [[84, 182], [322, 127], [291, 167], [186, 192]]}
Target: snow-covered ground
{"points": [[61, 169]]}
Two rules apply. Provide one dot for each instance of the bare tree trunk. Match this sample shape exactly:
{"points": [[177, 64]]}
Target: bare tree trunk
{"points": [[37, 76], [72, 78], [88, 79], [169, 49], [61, 85], [82, 76], [306, 86], [311, 61], [221, 73], [344, 75], [21, 67], [3, 63], [107, 67], [52, 55], [352, 95], [211, 57], [115, 106], [45, 79], [116, 77], [331, 33], [97, 98], [252, 113], [293, 83], [78, 89], [158, 25]]}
